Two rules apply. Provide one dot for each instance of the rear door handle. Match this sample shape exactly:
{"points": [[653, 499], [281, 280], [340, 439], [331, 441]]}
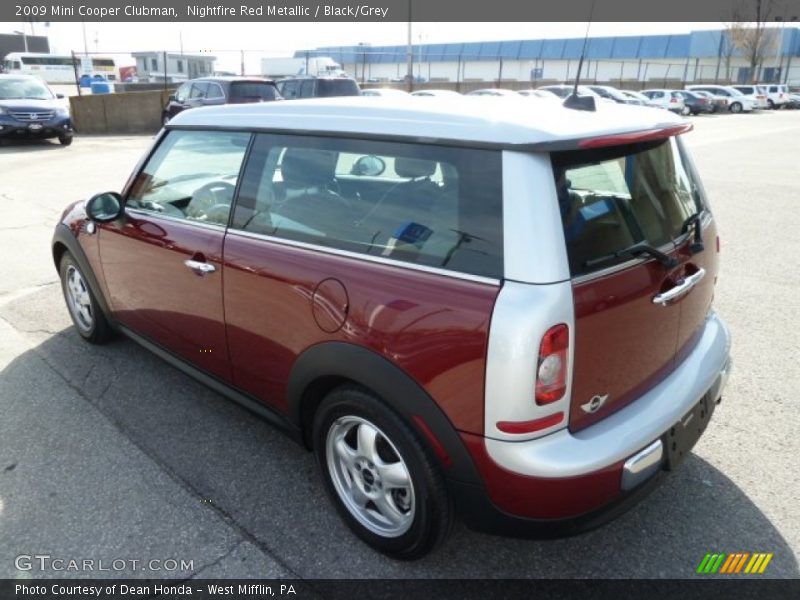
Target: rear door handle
{"points": [[679, 290], [200, 267]]}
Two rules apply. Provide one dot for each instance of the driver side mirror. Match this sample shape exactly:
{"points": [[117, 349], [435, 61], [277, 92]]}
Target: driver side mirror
{"points": [[104, 207], [60, 96]]}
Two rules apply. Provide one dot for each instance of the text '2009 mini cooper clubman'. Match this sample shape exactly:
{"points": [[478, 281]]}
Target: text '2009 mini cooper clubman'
{"points": [[500, 310]]}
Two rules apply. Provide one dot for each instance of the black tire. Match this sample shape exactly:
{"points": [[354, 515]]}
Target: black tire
{"points": [[431, 520], [96, 330], [736, 107], [770, 104], [65, 140]]}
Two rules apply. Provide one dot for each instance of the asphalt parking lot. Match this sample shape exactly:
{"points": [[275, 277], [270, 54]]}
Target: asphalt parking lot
{"points": [[109, 453]]}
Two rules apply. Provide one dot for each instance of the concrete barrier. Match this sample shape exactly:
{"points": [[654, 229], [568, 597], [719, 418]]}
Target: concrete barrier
{"points": [[131, 112]]}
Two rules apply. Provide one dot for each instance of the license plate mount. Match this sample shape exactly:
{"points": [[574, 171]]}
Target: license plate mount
{"points": [[682, 437]]}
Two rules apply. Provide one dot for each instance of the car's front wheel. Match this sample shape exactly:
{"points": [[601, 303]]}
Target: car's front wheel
{"points": [[87, 316], [382, 479], [736, 107], [686, 111], [65, 140]]}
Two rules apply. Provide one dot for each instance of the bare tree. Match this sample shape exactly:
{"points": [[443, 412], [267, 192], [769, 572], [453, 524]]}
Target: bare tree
{"points": [[748, 32]]}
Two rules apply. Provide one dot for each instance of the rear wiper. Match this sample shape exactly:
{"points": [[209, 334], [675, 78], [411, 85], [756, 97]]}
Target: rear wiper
{"points": [[637, 249], [697, 220]]}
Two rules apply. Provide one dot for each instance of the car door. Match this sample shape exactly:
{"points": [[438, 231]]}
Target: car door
{"points": [[626, 340], [198, 94], [214, 95], [181, 99], [162, 261]]}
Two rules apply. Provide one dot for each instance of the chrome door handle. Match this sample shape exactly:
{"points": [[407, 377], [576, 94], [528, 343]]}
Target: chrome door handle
{"points": [[680, 289], [201, 268]]}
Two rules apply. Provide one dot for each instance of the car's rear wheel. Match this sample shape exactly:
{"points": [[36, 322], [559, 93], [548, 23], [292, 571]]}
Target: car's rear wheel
{"points": [[771, 104], [65, 140], [86, 314], [384, 482], [736, 107]]}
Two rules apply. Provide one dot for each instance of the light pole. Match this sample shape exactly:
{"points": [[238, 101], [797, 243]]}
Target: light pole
{"points": [[779, 45], [24, 37]]}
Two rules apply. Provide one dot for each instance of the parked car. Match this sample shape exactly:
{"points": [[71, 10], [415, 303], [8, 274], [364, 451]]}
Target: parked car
{"points": [[317, 87], [777, 94], [212, 91], [492, 92], [671, 100], [385, 92], [563, 91], [794, 100], [30, 109], [641, 98], [538, 94], [436, 93], [694, 104], [359, 274], [718, 103], [755, 93], [736, 101], [611, 93]]}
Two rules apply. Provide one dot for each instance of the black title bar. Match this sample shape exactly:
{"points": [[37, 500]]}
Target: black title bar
{"points": [[398, 10]]}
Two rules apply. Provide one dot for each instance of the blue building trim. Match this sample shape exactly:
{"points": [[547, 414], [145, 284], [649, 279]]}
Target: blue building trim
{"points": [[697, 44]]}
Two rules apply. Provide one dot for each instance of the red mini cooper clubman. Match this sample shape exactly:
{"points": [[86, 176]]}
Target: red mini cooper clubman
{"points": [[496, 309]]}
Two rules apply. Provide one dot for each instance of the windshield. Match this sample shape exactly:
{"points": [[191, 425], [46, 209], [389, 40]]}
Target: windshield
{"points": [[253, 89], [29, 89], [614, 198]]}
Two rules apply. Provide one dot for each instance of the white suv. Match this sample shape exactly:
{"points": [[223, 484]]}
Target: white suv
{"points": [[756, 93], [777, 94]]}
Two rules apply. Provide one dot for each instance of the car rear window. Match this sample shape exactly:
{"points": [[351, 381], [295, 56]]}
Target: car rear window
{"points": [[337, 87], [613, 198], [246, 90], [434, 206]]}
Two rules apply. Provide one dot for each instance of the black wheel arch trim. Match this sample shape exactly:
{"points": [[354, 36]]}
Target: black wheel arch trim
{"points": [[346, 361], [64, 236]]}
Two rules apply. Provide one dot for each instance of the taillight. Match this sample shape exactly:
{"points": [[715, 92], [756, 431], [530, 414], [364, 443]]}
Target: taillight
{"points": [[551, 371], [673, 100]]}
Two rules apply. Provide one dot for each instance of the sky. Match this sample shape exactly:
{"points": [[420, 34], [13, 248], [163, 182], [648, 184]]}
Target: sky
{"points": [[227, 40]]}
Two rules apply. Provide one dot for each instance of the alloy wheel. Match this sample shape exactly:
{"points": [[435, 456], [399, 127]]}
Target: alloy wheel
{"points": [[78, 299], [370, 476]]}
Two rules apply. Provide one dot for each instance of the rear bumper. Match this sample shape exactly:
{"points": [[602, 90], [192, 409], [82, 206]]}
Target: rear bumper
{"points": [[568, 482]]}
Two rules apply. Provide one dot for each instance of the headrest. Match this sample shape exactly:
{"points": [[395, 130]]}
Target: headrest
{"points": [[414, 167], [304, 167]]}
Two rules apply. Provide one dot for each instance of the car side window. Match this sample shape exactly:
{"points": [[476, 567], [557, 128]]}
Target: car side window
{"points": [[199, 90], [307, 89], [289, 89], [429, 205], [183, 92], [214, 92], [191, 175]]}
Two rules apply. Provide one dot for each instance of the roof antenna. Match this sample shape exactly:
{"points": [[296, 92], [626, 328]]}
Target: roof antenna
{"points": [[574, 101]]}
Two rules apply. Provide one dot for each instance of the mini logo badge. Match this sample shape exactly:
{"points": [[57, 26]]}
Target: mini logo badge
{"points": [[593, 405]]}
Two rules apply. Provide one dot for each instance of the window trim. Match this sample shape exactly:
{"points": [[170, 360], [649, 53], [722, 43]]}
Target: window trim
{"points": [[363, 257]]}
